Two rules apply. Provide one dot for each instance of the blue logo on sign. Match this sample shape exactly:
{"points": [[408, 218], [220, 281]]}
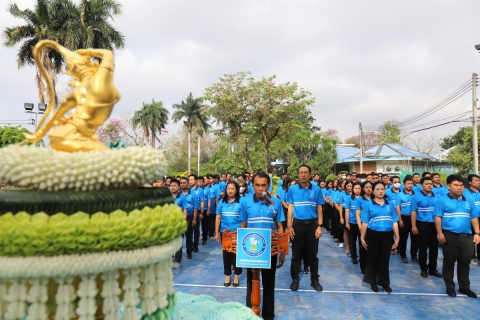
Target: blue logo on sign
{"points": [[254, 244]]}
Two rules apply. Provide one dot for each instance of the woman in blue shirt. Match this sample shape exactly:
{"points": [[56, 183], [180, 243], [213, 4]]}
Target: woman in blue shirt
{"points": [[365, 196], [351, 220], [379, 223], [228, 218], [338, 199], [327, 207], [348, 194]]}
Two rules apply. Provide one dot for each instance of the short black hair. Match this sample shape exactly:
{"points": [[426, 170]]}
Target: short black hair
{"points": [[471, 176], [261, 175], [415, 174], [304, 165], [435, 174], [175, 181], [194, 176], [425, 179], [406, 179], [182, 178], [425, 173], [454, 177], [394, 177]]}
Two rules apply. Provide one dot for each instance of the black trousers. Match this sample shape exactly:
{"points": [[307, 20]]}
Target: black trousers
{"points": [[230, 258], [427, 240], [327, 211], [353, 236], [378, 257], [178, 254], [211, 224], [335, 223], [189, 235], [196, 232], [304, 246], [205, 226], [460, 250], [268, 284], [404, 233]]}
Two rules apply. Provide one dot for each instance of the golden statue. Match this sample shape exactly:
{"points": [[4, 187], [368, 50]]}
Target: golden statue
{"points": [[93, 98]]}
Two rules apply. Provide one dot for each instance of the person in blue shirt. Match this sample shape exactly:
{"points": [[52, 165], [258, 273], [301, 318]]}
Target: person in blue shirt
{"points": [[222, 184], [351, 220], [180, 201], [365, 197], [205, 214], [305, 222], [327, 207], [379, 225], [404, 212], [455, 217], [228, 218], [348, 194], [192, 205], [213, 198], [333, 214], [423, 224], [258, 212], [193, 185], [394, 189], [438, 188], [338, 198], [473, 193]]}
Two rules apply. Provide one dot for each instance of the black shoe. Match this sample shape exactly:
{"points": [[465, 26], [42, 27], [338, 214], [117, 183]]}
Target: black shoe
{"points": [[227, 284], [404, 260], [195, 249], [354, 261], [236, 284], [374, 287], [387, 289], [204, 242], [306, 270], [451, 292], [316, 285], [294, 285], [435, 273], [415, 259], [189, 256], [469, 293], [424, 274]]}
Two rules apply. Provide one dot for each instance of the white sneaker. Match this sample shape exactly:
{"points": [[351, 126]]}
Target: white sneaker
{"points": [[475, 261], [340, 245], [176, 265]]}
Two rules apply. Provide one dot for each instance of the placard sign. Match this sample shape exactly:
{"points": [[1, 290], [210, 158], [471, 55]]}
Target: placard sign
{"points": [[254, 248]]}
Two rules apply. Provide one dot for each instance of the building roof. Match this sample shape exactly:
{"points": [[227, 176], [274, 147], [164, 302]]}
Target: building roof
{"points": [[345, 152], [389, 151]]}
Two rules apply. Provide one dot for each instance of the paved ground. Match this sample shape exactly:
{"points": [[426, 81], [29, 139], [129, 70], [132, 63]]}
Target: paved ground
{"points": [[344, 295]]}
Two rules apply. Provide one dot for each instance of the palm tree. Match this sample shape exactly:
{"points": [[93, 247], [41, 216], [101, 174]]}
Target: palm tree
{"points": [[190, 110], [72, 26], [151, 118]]}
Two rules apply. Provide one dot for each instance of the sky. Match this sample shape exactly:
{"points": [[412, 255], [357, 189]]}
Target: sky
{"points": [[364, 61]]}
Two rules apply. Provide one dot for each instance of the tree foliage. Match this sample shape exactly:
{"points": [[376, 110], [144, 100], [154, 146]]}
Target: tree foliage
{"points": [[455, 139], [461, 156], [13, 135], [151, 118], [390, 132]]}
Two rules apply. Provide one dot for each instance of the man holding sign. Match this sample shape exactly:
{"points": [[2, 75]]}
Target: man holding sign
{"points": [[261, 211]]}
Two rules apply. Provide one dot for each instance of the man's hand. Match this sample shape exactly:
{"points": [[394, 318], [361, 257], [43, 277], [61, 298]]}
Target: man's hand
{"points": [[476, 239], [281, 260], [441, 238], [217, 238], [318, 232], [347, 225], [395, 244], [401, 224], [341, 220], [194, 222], [291, 232], [201, 216], [364, 244], [414, 230]]}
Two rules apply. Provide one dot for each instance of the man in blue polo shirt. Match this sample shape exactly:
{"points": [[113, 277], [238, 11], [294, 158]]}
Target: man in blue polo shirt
{"points": [[404, 212], [180, 201], [438, 188], [473, 193], [305, 222], [258, 212], [423, 224], [213, 198], [192, 205], [455, 216], [193, 185]]}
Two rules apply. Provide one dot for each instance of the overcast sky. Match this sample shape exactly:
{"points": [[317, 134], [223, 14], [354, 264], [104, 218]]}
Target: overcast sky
{"points": [[368, 60]]}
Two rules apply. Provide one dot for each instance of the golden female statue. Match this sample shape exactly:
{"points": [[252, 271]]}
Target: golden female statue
{"points": [[93, 98]]}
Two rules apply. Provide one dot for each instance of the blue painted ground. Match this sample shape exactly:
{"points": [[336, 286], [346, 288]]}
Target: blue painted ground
{"points": [[344, 295]]}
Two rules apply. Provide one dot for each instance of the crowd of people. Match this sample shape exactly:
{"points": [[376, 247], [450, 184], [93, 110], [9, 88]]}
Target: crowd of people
{"points": [[371, 216]]}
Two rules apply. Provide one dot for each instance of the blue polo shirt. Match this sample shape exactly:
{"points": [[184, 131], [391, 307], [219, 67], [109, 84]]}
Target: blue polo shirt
{"points": [[280, 183], [440, 190], [417, 188], [222, 186], [474, 196], [328, 193], [230, 212], [424, 204], [351, 204], [259, 214], [280, 192], [392, 195], [191, 202], [338, 197], [250, 188], [404, 201], [380, 217], [200, 196], [213, 195], [305, 201], [456, 213], [361, 202], [206, 193], [180, 200]]}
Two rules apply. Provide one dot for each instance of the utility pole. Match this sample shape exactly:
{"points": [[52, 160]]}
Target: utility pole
{"points": [[474, 123], [361, 146]]}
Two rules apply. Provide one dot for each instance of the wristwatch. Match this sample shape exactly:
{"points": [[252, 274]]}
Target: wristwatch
{"points": [[477, 233], [320, 225]]}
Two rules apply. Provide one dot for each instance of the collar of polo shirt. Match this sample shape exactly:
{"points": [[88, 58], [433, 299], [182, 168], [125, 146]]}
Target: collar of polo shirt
{"points": [[404, 191], [378, 204], [427, 195], [471, 191], [452, 197], [309, 186]]}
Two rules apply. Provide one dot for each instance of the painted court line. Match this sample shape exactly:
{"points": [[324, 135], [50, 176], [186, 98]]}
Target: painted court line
{"points": [[329, 291]]}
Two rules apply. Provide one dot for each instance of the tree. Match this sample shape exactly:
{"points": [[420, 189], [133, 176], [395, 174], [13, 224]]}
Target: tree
{"points": [[370, 139], [13, 135], [461, 156], [72, 26], [332, 133], [325, 157], [455, 139], [151, 118], [427, 144], [390, 132], [112, 131], [190, 110]]}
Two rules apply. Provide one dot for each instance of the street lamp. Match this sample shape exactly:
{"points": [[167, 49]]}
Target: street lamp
{"points": [[29, 109]]}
